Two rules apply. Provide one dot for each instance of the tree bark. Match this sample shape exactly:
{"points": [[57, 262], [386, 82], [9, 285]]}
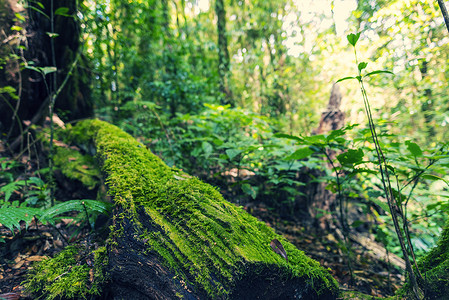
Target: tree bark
{"points": [[321, 199], [223, 53], [74, 100]]}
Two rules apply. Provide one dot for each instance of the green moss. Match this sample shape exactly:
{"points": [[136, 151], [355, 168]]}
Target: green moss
{"points": [[68, 275], [434, 268], [354, 295], [76, 166], [200, 234]]}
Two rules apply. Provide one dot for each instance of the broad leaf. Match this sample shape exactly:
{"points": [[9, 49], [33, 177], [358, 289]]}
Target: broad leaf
{"points": [[334, 134], [351, 157], [62, 11], [318, 139], [345, 78], [249, 190], [353, 38], [231, 153], [434, 178], [16, 28], [362, 66], [300, 154], [288, 136], [378, 72], [414, 149], [43, 70], [207, 148]]}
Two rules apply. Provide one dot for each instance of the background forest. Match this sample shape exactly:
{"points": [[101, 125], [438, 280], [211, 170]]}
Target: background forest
{"points": [[238, 93]]}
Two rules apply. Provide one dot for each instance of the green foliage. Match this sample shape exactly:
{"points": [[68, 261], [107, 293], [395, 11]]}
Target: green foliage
{"points": [[36, 202], [223, 145], [89, 209], [11, 214]]}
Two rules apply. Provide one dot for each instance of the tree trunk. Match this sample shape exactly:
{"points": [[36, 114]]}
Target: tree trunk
{"points": [[73, 102], [223, 53], [322, 199]]}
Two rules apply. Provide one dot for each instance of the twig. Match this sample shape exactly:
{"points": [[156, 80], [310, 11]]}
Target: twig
{"points": [[444, 12]]}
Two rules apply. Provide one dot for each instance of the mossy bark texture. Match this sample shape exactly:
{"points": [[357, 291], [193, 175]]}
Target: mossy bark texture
{"points": [[173, 236], [435, 269]]}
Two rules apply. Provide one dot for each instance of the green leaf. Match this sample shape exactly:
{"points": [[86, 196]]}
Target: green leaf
{"points": [[11, 187], [62, 11], [351, 157], [362, 66], [300, 154], [52, 34], [353, 38], [378, 72], [414, 149], [318, 139], [75, 205], [16, 28], [345, 78], [11, 216], [381, 204], [434, 178], [334, 134], [20, 17], [37, 9], [231, 153], [288, 136], [249, 190], [48, 70], [43, 70], [363, 170], [357, 223], [10, 91], [207, 148]]}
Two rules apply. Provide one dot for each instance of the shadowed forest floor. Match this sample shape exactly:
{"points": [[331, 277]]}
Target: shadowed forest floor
{"points": [[370, 276]]}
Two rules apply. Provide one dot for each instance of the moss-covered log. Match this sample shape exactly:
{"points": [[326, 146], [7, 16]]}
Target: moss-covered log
{"points": [[173, 236], [434, 268]]}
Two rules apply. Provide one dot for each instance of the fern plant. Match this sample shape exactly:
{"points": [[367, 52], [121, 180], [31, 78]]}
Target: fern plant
{"points": [[36, 203]]}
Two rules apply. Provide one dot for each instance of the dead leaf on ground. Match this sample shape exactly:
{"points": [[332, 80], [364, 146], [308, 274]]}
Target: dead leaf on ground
{"points": [[278, 248], [36, 258], [19, 264]]}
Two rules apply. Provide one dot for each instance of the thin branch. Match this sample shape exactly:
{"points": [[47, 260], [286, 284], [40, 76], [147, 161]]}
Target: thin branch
{"points": [[444, 12]]}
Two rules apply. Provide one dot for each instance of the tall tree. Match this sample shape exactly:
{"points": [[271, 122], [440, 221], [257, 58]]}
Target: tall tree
{"points": [[223, 52], [44, 38]]}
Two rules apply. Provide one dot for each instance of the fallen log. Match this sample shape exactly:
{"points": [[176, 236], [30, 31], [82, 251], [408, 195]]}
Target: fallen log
{"points": [[173, 236]]}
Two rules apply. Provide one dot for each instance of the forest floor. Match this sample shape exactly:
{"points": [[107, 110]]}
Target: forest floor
{"points": [[370, 275]]}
